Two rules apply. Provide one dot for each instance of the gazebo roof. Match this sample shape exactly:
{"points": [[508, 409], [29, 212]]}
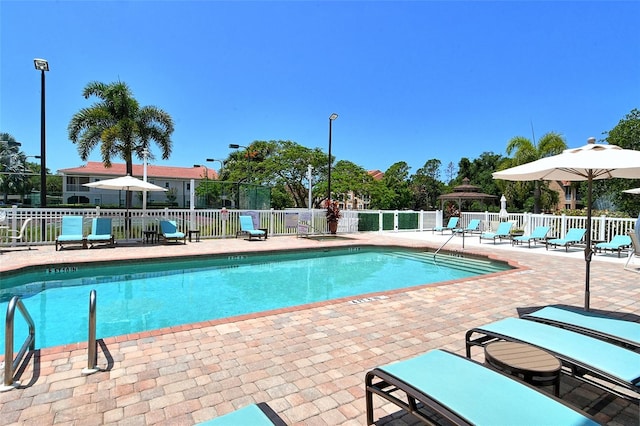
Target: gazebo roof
{"points": [[466, 191]]}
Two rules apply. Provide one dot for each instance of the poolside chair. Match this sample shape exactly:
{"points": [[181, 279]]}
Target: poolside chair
{"points": [[101, 232], [451, 225], [574, 236], [441, 388], [246, 227], [635, 252], [604, 327], [473, 226], [169, 231], [538, 234], [255, 414], [503, 231], [19, 235], [617, 243], [589, 359], [71, 232]]}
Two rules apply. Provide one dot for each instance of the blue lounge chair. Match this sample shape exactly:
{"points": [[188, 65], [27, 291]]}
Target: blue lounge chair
{"points": [[574, 236], [538, 234], [71, 232], [100, 232], [451, 225], [592, 360], [613, 330], [503, 231], [169, 231], [246, 227], [617, 243], [464, 392], [473, 226], [256, 414]]}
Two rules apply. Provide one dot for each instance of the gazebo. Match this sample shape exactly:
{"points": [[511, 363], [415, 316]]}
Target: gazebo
{"points": [[465, 192]]}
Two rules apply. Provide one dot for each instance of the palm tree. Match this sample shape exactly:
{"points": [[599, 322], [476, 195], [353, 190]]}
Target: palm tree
{"points": [[123, 127], [12, 166], [526, 151]]}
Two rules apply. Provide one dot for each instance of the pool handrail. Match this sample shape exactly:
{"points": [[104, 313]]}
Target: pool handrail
{"points": [[11, 364], [92, 344]]}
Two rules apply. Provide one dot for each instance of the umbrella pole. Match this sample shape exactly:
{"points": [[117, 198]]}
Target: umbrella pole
{"points": [[587, 251]]}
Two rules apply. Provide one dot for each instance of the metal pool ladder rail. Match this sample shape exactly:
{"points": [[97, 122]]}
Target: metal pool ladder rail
{"points": [[10, 364]]}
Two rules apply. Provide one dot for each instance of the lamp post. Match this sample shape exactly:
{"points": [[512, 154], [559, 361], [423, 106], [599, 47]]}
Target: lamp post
{"points": [[211, 160], [331, 118], [236, 146], [42, 65]]}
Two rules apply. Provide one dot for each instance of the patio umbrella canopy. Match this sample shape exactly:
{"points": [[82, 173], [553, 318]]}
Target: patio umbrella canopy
{"points": [[125, 183], [587, 163]]}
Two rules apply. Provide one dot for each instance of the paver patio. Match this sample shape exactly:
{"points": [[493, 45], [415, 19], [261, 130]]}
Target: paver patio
{"points": [[309, 362]]}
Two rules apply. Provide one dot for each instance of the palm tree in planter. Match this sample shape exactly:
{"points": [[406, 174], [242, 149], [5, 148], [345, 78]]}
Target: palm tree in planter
{"points": [[333, 215], [122, 126]]}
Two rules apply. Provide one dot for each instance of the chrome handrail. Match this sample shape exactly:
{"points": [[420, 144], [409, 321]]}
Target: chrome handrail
{"points": [[10, 364], [445, 243], [92, 345]]}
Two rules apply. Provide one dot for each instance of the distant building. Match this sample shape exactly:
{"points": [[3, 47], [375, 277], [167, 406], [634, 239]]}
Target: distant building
{"points": [[353, 201], [176, 179], [568, 196]]}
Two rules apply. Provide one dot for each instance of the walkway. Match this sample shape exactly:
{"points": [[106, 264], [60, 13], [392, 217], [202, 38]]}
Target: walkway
{"points": [[307, 363]]}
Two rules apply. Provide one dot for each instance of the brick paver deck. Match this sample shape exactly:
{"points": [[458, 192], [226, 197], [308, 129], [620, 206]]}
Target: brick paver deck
{"points": [[308, 363]]}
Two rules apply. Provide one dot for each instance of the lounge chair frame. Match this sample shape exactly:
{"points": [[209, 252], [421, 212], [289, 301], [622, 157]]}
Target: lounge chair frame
{"points": [[94, 237], [472, 228], [71, 238], [428, 408], [482, 336], [583, 327], [451, 225], [634, 252], [566, 242], [504, 233], [175, 235], [19, 235], [247, 228], [536, 235], [614, 246]]}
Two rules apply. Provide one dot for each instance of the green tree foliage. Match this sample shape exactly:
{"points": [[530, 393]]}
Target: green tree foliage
{"points": [[347, 176], [392, 191], [625, 134], [522, 151], [13, 166], [120, 125], [425, 185]]}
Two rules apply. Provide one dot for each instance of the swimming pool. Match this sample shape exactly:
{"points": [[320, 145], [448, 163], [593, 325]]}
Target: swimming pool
{"points": [[148, 295]]}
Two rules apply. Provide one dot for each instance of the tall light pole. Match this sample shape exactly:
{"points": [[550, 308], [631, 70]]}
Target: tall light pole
{"points": [[211, 160], [42, 65], [331, 118]]}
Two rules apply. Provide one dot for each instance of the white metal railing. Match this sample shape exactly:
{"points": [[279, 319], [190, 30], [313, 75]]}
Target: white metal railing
{"points": [[45, 226]]}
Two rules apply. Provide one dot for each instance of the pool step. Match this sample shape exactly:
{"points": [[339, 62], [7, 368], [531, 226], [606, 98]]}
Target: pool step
{"points": [[480, 266]]}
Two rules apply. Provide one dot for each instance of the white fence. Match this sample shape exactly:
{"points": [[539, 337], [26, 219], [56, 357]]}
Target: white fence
{"points": [[212, 224]]}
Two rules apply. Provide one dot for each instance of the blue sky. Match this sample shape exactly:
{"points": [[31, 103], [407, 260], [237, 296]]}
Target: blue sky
{"points": [[410, 80]]}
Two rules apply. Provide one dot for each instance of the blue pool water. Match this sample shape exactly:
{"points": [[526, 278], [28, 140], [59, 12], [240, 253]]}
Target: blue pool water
{"points": [[139, 296]]}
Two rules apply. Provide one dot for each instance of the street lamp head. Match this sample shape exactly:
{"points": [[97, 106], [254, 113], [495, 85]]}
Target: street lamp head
{"points": [[333, 116], [234, 146], [41, 64]]}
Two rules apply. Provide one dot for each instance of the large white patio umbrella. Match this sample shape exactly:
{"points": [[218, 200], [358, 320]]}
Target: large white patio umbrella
{"points": [[587, 163], [125, 183], [632, 191]]}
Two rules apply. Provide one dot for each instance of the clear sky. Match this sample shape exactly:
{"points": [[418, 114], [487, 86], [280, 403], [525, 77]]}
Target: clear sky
{"points": [[411, 81]]}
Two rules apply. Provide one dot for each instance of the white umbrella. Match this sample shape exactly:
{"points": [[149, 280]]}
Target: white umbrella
{"points": [[633, 191], [587, 163], [503, 208], [125, 183]]}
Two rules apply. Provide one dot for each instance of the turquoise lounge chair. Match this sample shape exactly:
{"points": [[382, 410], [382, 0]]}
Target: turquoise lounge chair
{"points": [[503, 231], [592, 360], [169, 231], [464, 392], [538, 234], [257, 414], [71, 232], [473, 226], [246, 227], [574, 236], [451, 225], [617, 243], [613, 330], [100, 232]]}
